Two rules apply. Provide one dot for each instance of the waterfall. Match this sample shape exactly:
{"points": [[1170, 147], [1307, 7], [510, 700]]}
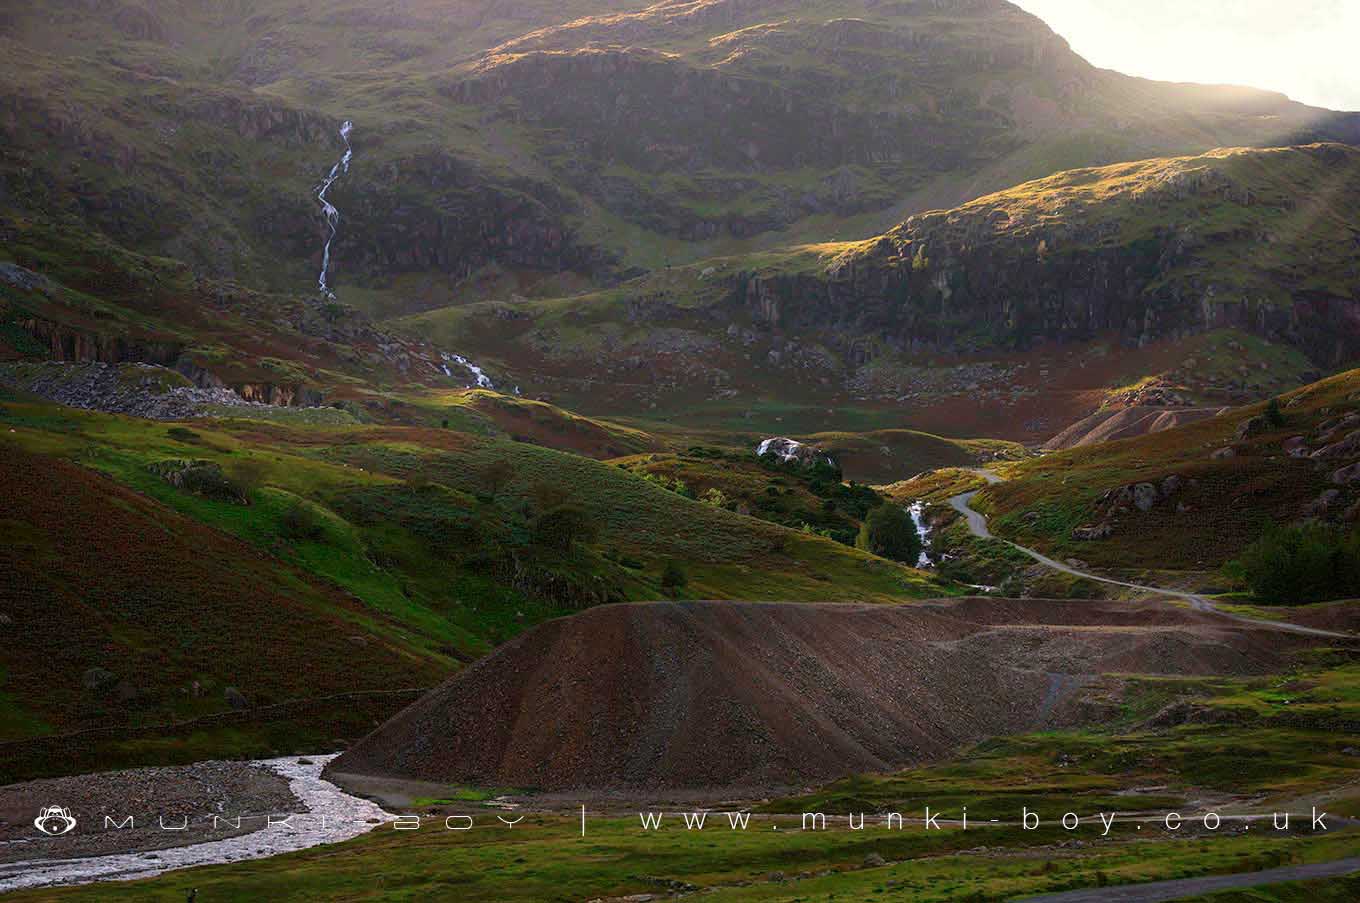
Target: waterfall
{"points": [[917, 510], [482, 380], [332, 215]]}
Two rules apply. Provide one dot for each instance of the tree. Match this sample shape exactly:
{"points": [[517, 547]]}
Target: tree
{"points": [[888, 531], [1274, 416], [673, 578], [561, 528], [1298, 565]]}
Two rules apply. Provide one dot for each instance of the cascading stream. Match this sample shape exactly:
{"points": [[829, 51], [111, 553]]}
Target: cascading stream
{"points": [[333, 215], [341, 167]]}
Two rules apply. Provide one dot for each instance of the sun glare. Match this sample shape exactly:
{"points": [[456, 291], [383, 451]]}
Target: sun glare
{"points": [[1303, 49]]}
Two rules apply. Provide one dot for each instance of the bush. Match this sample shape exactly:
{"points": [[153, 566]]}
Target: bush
{"points": [[301, 524], [561, 528], [888, 531], [673, 577], [1274, 416], [1299, 565]]}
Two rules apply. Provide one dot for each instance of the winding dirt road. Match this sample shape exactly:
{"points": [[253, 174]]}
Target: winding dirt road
{"points": [[977, 525]]}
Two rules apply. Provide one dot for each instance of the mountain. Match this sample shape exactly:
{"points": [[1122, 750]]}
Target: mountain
{"points": [[534, 147], [1216, 277]]}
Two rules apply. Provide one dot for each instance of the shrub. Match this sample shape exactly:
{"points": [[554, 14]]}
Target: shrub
{"points": [[1299, 565], [561, 528], [300, 524], [1274, 416], [888, 531], [715, 497], [673, 577], [497, 475]]}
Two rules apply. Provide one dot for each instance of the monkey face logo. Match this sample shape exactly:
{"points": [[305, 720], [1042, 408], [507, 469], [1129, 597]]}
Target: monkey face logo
{"points": [[55, 821]]}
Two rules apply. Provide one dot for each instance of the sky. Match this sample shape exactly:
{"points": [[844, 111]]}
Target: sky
{"points": [[1308, 49]]}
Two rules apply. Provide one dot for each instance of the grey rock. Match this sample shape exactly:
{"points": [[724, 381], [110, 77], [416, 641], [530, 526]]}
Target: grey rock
{"points": [[1171, 485], [873, 861], [98, 679], [1296, 447], [1344, 448], [1093, 533], [1323, 503], [1144, 496], [1224, 454], [235, 698], [1347, 475], [19, 277]]}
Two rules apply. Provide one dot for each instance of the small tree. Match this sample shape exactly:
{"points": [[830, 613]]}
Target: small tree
{"points": [[888, 531], [563, 527], [673, 578], [1274, 416]]}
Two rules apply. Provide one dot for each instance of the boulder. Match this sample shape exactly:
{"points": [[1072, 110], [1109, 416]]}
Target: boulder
{"points": [[1347, 475], [1296, 447], [1347, 447], [98, 679], [1144, 496], [1171, 485], [1093, 533], [1224, 454], [1322, 504], [235, 698]]}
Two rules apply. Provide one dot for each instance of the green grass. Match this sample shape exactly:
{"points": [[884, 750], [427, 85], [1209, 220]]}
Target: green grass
{"points": [[544, 858]]}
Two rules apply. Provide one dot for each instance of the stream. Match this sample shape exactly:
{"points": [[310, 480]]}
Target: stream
{"points": [[331, 816]]}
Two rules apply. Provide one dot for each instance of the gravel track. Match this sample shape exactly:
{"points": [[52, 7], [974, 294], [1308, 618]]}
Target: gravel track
{"points": [[977, 525]]}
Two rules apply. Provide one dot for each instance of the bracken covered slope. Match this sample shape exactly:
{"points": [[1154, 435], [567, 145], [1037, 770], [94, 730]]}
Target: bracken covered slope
{"points": [[751, 696]]}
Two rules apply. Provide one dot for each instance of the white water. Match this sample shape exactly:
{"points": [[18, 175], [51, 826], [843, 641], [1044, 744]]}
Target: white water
{"points": [[331, 816], [917, 511], [482, 380], [332, 215]]}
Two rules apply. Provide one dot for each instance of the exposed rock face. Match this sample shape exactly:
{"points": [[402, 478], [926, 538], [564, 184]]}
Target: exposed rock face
{"points": [[999, 268]]}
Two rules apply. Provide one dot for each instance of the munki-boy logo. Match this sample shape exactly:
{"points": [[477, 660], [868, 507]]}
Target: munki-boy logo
{"points": [[55, 821]]}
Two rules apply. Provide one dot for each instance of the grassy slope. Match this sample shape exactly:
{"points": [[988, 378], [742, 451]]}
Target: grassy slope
{"points": [[1229, 502], [176, 612], [1253, 218]]}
